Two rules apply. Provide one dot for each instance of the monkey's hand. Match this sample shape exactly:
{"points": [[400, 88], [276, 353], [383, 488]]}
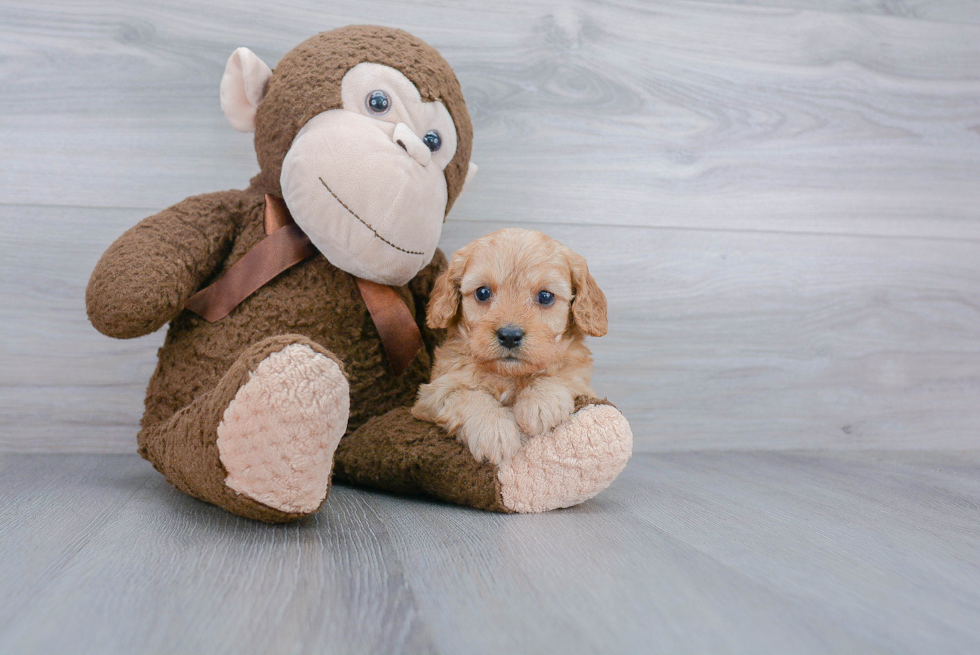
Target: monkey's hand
{"points": [[143, 280]]}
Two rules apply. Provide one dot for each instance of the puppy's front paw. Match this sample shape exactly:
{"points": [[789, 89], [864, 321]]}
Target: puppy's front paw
{"points": [[493, 437], [537, 411]]}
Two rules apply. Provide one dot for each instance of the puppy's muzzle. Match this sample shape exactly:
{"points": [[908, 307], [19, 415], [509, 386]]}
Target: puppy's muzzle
{"points": [[510, 336]]}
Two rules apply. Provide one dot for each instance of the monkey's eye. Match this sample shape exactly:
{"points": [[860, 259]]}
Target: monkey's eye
{"points": [[378, 102], [432, 140], [545, 298], [482, 294]]}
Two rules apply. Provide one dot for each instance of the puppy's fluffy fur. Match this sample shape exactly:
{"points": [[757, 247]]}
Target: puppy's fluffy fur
{"points": [[488, 395]]}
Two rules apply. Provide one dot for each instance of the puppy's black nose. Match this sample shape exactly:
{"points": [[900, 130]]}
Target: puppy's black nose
{"points": [[510, 336]]}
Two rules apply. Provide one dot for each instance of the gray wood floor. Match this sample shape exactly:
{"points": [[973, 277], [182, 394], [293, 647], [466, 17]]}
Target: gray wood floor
{"points": [[710, 552], [781, 199]]}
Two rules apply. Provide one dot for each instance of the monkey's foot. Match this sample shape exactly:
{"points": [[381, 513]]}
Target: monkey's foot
{"points": [[568, 465], [277, 438], [563, 467]]}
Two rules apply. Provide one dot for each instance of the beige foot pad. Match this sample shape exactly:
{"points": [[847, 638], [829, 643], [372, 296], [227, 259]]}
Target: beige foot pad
{"points": [[568, 465], [278, 436]]}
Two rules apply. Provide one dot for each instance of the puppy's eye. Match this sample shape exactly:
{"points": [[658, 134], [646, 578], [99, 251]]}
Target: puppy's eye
{"points": [[378, 102], [482, 294], [545, 298]]}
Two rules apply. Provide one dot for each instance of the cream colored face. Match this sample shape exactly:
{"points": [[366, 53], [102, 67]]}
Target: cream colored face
{"points": [[365, 182], [501, 287]]}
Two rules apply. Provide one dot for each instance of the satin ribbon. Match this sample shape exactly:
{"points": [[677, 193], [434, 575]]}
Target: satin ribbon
{"points": [[285, 246]]}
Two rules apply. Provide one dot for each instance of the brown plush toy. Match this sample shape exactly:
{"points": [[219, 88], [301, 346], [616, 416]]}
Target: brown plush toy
{"points": [[297, 338]]}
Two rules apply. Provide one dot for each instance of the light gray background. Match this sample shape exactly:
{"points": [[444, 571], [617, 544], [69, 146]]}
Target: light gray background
{"points": [[780, 199]]}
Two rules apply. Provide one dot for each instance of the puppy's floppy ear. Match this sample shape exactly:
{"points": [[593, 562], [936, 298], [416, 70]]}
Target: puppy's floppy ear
{"points": [[589, 303], [444, 302]]}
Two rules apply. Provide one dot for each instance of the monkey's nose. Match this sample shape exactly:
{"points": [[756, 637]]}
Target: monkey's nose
{"points": [[510, 336], [413, 145]]}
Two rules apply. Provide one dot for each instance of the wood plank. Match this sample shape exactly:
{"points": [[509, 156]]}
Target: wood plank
{"points": [[882, 544], [668, 113], [171, 574], [51, 508], [592, 579], [718, 339], [951, 11], [815, 552], [819, 552]]}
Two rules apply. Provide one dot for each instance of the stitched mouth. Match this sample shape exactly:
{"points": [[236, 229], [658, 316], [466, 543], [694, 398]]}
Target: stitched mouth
{"points": [[365, 223]]}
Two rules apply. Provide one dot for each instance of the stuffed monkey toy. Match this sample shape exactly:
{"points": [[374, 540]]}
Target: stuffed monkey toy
{"points": [[297, 337]]}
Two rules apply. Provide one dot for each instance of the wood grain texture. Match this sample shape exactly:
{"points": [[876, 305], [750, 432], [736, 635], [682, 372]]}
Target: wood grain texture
{"points": [[721, 552], [670, 113], [198, 581], [950, 11]]}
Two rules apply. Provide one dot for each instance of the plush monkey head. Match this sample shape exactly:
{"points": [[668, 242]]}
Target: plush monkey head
{"points": [[364, 133]]}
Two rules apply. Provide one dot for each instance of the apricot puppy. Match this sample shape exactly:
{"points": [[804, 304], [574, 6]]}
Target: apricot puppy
{"points": [[517, 305]]}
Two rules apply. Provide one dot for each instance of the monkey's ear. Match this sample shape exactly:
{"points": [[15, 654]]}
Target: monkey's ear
{"points": [[470, 173], [243, 87], [444, 302], [589, 304]]}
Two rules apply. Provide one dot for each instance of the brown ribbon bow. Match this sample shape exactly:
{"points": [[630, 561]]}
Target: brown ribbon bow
{"points": [[285, 246]]}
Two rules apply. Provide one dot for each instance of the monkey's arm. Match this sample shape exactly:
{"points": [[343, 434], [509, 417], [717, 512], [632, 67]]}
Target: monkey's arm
{"points": [[143, 280], [421, 288]]}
